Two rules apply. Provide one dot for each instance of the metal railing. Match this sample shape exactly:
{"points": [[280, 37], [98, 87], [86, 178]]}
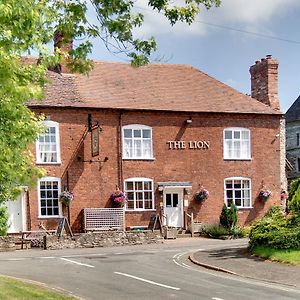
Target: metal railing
{"points": [[97, 219]]}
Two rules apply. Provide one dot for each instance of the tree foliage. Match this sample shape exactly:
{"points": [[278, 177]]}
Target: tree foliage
{"points": [[294, 196], [29, 25]]}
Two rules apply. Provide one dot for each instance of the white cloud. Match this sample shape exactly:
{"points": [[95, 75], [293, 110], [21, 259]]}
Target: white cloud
{"points": [[242, 14]]}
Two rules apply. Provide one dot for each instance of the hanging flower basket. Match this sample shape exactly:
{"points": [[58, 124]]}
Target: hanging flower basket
{"points": [[202, 195], [66, 197], [118, 198], [264, 195]]}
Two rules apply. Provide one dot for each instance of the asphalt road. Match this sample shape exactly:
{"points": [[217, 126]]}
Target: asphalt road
{"points": [[138, 272]]}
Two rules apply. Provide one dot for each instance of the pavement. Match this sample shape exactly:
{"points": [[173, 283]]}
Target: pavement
{"points": [[237, 261]]}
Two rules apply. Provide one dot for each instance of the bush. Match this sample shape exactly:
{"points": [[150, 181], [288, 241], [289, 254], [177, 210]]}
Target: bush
{"points": [[294, 196], [276, 231], [214, 230], [228, 217], [3, 221]]}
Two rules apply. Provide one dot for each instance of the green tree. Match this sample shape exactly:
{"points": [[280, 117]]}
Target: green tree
{"points": [[29, 25]]}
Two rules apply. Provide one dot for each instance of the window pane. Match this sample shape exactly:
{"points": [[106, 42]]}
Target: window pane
{"points": [[130, 204], [239, 193], [127, 133], [236, 135], [148, 185], [139, 185], [168, 200], [175, 200], [137, 133], [228, 135], [146, 133], [129, 185], [245, 134]]}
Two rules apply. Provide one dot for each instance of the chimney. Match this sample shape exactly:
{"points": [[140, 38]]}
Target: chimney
{"points": [[65, 46], [264, 81]]}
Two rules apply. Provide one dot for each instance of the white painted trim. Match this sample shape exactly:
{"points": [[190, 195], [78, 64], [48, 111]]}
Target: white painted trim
{"points": [[240, 129], [49, 178], [137, 127], [48, 124], [250, 189], [143, 179]]}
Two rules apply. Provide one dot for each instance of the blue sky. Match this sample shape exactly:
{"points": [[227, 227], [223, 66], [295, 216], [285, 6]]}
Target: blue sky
{"points": [[227, 54]]}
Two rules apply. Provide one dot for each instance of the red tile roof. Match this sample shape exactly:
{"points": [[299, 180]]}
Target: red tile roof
{"points": [[153, 87]]}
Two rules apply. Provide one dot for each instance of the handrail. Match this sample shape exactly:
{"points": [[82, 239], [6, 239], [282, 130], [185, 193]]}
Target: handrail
{"points": [[191, 216]]}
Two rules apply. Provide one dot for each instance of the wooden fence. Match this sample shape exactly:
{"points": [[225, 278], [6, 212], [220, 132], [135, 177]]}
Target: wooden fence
{"points": [[96, 219]]}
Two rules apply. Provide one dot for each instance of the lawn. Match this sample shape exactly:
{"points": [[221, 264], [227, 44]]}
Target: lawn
{"points": [[12, 289], [284, 256]]}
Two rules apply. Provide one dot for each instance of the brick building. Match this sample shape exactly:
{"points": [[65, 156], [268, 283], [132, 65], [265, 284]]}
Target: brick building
{"points": [[161, 133]]}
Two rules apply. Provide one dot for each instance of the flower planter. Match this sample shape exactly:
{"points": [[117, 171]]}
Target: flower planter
{"points": [[170, 232]]}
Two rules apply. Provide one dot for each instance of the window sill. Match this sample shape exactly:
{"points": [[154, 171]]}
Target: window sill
{"points": [[50, 217], [238, 159], [244, 208], [48, 163], [139, 211], [138, 158]]}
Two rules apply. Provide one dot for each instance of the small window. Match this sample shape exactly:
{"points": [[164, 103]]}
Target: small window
{"points": [[139, 193], [48, 194], [238, 191], [298, 139], [47, 145], [298, 164], [137, 142], [237, 143]]}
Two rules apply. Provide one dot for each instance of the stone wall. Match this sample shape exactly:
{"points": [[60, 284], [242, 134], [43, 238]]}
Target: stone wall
{"points": [[7, 244], [102, 239]]}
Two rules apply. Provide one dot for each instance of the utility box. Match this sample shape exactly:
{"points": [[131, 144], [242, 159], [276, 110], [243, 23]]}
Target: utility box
{"points": [[170, 232]]}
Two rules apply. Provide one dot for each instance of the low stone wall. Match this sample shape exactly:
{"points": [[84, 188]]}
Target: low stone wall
{"points": [[102, 239], [7, 243]]}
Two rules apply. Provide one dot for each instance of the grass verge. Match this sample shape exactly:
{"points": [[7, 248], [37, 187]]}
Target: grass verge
{"points": [[286, 256], [12, 289]]}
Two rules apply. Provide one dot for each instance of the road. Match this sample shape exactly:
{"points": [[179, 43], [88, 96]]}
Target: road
{"points": [[138, 272]]}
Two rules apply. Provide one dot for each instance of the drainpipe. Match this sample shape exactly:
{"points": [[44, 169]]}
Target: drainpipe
{"points": [[120, 152]]}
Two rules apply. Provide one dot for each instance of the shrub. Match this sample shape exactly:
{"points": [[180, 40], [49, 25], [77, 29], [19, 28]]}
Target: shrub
{"points": [[228, 217], [214, 230], [276, 231], [3, 221], [238, 232]]}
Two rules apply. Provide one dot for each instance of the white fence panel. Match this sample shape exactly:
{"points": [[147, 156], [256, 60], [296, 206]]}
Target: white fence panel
{"points": [[104, 219]]}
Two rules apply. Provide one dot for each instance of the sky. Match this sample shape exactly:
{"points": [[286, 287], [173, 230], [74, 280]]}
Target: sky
{"points": [[224, 42]]}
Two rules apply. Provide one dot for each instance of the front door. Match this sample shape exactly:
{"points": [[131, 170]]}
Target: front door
{"points": [[16, 214], [173, 207]]}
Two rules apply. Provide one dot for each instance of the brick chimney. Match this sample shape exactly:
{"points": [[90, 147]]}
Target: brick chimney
{"points": [[264, 81], [65, 46]]}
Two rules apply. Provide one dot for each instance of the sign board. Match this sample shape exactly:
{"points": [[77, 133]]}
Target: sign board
{"points": [[154, 222], [63, 224], [95, 141]]}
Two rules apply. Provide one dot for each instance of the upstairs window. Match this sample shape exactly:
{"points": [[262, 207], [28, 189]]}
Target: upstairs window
{"points": [[297, 139], [238, 191], [139, 193], [137, 142], [47, 145], [237, 143]]}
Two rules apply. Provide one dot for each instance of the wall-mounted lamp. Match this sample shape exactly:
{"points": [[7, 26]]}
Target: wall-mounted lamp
{"points": [[189, 121]]}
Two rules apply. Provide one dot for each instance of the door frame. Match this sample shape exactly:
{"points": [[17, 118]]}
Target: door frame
{"points": [[21, 198], [180, 191]]}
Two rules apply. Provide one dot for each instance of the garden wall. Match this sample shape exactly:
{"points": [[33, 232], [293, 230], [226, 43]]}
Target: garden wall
{"points": [[102, 239]]}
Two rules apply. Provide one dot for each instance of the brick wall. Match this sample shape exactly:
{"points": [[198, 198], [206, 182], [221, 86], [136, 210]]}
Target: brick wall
{"points": [[93, 179]]}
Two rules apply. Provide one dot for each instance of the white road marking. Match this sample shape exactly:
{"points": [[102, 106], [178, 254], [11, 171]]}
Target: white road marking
{"points": [[77, 263], [217, 298], [148, 281], [15, 259]]}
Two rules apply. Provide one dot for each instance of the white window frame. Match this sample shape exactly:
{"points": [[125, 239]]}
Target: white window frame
{"points": [[137, 127], [49, 179], [49, 124], [134, 180], [233, 194], [240, 141]]}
